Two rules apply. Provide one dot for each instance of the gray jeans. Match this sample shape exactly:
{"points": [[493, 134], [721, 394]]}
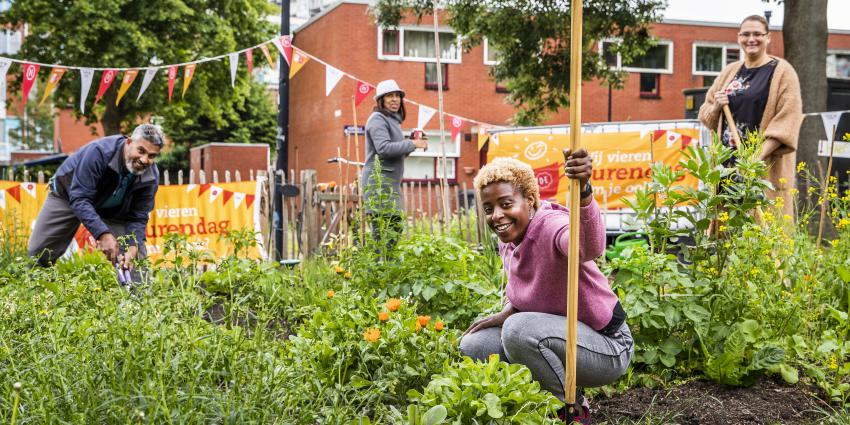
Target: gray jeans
{"points": [[538, 340], [55, 228]]}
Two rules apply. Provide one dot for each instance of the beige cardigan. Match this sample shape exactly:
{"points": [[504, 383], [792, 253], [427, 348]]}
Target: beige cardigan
{"points": [[781, 121]]}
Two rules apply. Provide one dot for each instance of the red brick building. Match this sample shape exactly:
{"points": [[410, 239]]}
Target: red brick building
{"points": [[689, 55]]}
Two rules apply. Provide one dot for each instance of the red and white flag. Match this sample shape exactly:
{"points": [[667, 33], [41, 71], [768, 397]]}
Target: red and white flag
{"points": [[30, 71], [363, 90], [672, 138], [172, 77], [29, 188], [215, 192], [284, 44], [105, 81], [457, 126]]}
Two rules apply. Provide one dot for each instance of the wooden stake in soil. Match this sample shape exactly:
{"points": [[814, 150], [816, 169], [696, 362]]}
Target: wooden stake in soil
{"points": [[575, 206], [444, 201], [825, 186], [730, 122], [360, 210]]}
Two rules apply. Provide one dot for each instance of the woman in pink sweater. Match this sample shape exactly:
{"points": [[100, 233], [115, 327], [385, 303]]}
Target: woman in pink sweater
{"points": [[534, 243]]}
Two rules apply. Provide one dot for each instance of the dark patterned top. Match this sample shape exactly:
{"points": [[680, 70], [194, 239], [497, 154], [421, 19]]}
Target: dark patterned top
{"points": [[748, 93]]}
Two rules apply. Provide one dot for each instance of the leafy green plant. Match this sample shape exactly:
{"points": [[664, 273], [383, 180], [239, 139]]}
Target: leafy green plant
{"points": [[492, 392]]}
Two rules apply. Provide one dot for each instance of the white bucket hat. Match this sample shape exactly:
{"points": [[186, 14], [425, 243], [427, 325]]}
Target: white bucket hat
{"points": [[387, 86]]}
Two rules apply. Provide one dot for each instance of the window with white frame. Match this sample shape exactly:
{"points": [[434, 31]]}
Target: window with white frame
{"points": [[10, 42], [428, 165], [657, 59], [417, 44], [710, 59], [838, 64], [491, 54]]}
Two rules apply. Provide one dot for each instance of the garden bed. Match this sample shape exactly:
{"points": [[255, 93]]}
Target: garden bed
{"points": [[701, 402]]}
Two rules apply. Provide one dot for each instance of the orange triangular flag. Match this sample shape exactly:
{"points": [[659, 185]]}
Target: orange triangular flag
{"points": [[15, 192], [52, 82], [188, 73], [203, 188], [249, 199], [265, 50], [298, 61], [226, 196], [126, 82]]}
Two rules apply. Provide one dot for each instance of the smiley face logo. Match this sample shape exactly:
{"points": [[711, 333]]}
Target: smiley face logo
{"points": [[536, 150]]}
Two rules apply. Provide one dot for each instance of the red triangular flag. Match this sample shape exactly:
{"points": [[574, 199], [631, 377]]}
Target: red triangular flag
{"points": [[658, 134], [172, 77], [105, 81], [226, 196], [249, 199], [686, 141], [249, 55], [203, 188], [457, 126], [363, 90], [15, 192], [286, 44], [30, 71]]}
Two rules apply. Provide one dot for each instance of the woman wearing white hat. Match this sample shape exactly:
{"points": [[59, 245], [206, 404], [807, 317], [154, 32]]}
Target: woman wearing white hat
{"points": [[386, 141]]}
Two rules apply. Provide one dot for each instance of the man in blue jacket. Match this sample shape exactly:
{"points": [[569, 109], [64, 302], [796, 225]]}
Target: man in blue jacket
{"points": [[109, 185]]}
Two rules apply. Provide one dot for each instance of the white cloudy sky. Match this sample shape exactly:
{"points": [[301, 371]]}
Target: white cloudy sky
{"points": [[838, 11]]}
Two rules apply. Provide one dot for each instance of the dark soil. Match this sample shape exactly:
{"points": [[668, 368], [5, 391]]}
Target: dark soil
{"points": [[699, 402]]}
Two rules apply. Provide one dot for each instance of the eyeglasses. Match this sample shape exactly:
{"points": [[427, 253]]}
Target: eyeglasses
{"points": [[752, 34]]}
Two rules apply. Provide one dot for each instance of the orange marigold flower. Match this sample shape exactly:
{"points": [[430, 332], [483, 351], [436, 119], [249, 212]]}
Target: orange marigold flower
{"points": [[383, 316], [371, 334], [423, 320], [439, 326], [393, 304], [339, 270], [331, 293], [347, 275]]}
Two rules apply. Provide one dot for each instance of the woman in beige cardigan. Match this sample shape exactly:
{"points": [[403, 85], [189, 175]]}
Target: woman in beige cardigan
{"points": [[763, 93]]}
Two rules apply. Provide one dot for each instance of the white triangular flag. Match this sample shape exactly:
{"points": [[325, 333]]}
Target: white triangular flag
{"points": [[238, 197], [149, 74], [215, 192], [234, 64], [830, 123], [3, 199], [86, 75], [4, 68], [332, 77], [672, 137], [189, 187], [425, 115], [29, 188]]}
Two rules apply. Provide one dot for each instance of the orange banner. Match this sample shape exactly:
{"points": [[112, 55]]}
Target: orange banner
{"points": [[126, 82], [620, 160], [52, 81], [201, 212]]}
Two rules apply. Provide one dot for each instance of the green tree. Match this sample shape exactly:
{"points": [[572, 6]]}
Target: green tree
{"points": [[139, 33], [533, 40], [250, 117], [35, 131]]}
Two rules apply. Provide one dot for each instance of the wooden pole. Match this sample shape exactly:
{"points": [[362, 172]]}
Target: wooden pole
{"points": [[824, 188], [575, 206], [730, 122], [444, 201], [360, 210]]}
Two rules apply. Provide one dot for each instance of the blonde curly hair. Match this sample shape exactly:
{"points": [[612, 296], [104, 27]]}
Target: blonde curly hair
{"points": [[509, 170]]}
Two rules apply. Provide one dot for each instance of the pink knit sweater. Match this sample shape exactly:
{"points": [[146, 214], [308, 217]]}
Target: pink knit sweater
{"points": [[537, 266]]}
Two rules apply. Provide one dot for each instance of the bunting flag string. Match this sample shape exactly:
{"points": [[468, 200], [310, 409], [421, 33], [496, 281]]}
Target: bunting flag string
{"points": [[296, 58]]}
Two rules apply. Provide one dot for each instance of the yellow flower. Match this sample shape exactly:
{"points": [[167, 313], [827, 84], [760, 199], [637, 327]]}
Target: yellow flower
{"points": [[722, 228], [795, 191], [787, 218], [811, 190], [723, 216], [843, 223], [383, 316], [783, 180], [347, 275], [393, 304], [418, 327], [331, 293], [847, 137], [372, 334], [801, 166]]}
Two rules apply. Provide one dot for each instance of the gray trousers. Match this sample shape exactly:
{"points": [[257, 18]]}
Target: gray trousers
{"points": [[55, 227], [538, 341]]}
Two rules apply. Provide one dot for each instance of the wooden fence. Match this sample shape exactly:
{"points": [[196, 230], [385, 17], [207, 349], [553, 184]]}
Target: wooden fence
{"points": [[322, 215]]}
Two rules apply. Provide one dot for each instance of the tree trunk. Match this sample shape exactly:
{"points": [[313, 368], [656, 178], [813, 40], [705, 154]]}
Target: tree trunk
{"points": [[805, 35], [112, 118]]}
